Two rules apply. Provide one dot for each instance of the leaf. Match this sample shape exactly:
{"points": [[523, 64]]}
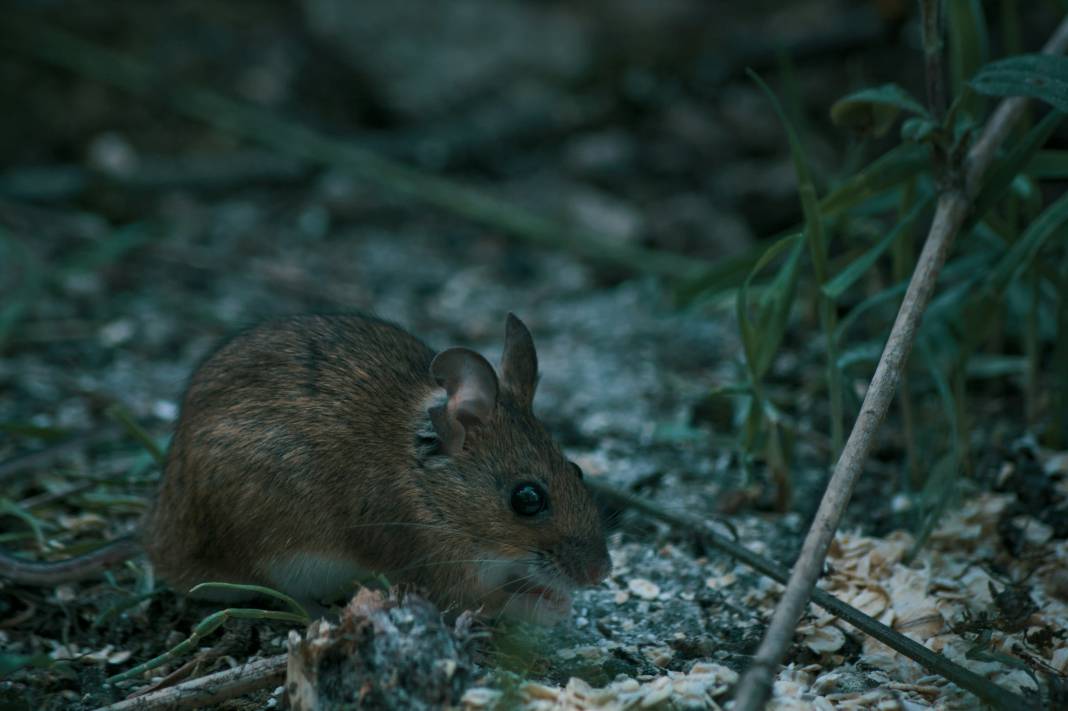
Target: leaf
{"points": [[995, 366], [728, 273], [875, 109], [1005, 170], [857, 268], [1039, 76], [124, 418], [258, 589], [760, 343], [816, 238], [889, 170], [7, 506], [1049, 164], [968, 264], [797, 152], [919, 130], [114, 248], [968, 43], [863, 353], [13, 662], [28, 429], [1051, 223], [19, 296]]}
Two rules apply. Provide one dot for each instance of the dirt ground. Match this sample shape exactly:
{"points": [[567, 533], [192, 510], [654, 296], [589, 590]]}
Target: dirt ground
{"points": [[133, 239]]}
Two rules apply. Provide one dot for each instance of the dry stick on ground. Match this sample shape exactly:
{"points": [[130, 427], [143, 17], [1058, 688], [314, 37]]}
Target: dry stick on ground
{"points": [[982, 687], [953, 204], [210, 690]]}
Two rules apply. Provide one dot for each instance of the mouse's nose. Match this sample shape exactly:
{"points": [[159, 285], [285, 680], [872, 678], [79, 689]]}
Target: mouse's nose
{"points": [[586, 561], [596, 572]]}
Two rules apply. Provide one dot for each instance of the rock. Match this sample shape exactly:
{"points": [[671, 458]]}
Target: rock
{"points": [[387, 652]]}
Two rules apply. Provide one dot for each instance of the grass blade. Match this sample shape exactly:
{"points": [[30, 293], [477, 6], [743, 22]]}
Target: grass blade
{"points": [[1038, 76], [1049, 164], [773, 311], [858, 267], [968, 46], [816, 238], [1051, 223], [120, 415], [1004, 171], [874, 110], [888, 171], [257, 589]]}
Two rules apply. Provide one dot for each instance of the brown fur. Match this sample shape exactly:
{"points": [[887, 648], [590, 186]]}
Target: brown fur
{"points": [[313, 435]]}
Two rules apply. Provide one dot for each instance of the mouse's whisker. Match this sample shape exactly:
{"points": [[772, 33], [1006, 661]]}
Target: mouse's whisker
{"points": [[523, 585]]}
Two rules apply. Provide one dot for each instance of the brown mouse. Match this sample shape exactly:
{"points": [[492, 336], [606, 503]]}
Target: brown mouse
{"points": [[317, 450]]}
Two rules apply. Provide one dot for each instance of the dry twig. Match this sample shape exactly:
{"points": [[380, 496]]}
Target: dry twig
{"points": [[953, 204], [210, 690]]}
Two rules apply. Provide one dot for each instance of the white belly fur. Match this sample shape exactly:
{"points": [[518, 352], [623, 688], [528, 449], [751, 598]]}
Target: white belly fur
{"points": [[308, 576]]}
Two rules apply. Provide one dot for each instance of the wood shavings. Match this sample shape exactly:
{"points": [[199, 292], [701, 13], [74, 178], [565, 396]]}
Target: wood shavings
{"points": [[822, 639], [705, 686], [645, 589]]}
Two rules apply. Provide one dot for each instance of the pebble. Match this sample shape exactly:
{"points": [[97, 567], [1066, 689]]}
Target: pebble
{"points": [[645, 589]]}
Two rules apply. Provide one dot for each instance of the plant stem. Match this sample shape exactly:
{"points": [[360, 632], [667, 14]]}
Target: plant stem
{"points": [[902, 259], [934, 71]]}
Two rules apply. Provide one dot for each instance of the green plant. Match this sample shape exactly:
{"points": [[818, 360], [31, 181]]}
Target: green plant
{"points": [[297, 616], [994, 326]]}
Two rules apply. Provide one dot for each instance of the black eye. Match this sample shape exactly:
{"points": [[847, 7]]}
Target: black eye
{"points": [[575, 469], [529, 499]]}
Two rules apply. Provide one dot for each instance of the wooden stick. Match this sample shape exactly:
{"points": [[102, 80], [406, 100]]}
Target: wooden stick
{"points": [[210, 690], [754, 688]]}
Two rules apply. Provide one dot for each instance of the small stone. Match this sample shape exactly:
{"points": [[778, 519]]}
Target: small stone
{"points": [[448, 667], [578, 687], [657, 692], [534, 691], [645, 589], [479, 697], [119, 657], [660, 656]]}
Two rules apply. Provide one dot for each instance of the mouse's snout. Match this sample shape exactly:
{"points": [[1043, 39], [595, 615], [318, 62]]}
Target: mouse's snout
{"points": [[591, 562], [597, 570]]}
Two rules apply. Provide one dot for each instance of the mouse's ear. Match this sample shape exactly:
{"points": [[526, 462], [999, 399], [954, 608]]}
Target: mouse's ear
{"points": [[471, 386], [519, 363]]}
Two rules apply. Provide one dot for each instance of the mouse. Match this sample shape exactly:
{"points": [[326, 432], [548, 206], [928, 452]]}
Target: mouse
{"points": [[316, 451]]}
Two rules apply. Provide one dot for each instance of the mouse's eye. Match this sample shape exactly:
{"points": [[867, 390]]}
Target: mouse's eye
{"points": [[575, 469], [529, 499]]}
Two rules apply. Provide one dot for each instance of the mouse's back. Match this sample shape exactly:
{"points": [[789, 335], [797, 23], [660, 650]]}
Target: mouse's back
{"points": [[274, 428]]}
